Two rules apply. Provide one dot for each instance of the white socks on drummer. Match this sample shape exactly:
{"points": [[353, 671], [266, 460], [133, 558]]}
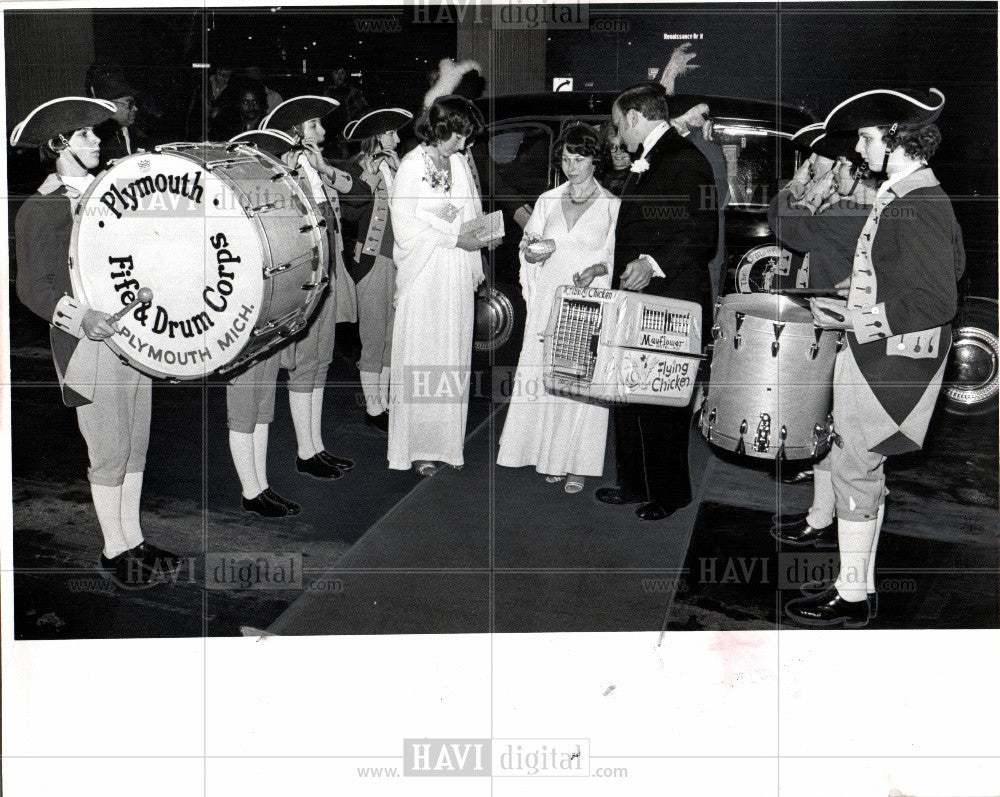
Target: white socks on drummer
{"points": [[131, 497], [870, 576], [371, 388], [260, 454], [108, 505], [383, 386], [823, 507], [300, 405], [856, 539], [316, 419], [241, 446]]}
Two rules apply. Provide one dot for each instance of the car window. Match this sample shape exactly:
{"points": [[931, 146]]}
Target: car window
{"points": [[758, 162], [517, 160]]}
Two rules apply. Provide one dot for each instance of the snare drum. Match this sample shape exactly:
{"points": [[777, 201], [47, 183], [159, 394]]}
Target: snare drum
{"points": [[771, 386], [233, 250]]}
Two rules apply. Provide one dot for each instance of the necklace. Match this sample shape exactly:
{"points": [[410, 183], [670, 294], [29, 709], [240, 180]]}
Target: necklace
{"points": [[583, 200], [437, 178]]}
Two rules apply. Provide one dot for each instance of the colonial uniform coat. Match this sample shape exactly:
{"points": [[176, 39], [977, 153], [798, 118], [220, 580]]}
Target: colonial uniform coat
{"points": [[903, 294], [370, 263], [113, 400], [662, 215]]}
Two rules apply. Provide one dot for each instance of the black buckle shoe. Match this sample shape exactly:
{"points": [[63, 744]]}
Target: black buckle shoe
{"points": [[380, 422], [264, 506], [338, 462], [317, 467], [799, 533], [158, 559], [292, 507], [828, 609], [129, 570], [816, 587], [617, 496]]}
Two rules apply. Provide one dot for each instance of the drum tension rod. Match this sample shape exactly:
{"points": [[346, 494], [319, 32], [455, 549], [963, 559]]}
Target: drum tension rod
{"points": [[320, 285]]}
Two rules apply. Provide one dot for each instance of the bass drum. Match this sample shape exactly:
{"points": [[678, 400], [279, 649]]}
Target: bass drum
{"points": [[771, 387], [234, 251]]}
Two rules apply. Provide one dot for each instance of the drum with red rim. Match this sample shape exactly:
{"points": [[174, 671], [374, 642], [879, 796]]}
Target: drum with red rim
{"points": [[234, 251]]}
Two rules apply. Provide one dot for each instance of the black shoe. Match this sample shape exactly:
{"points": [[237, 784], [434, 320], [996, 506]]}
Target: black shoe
{"points": [[129, 570], [617, 496], [338, 462], [292, 507], [654, 511], [798, 532], [264, 506], [802, 477], [816, 587], [828, 609], [317, 467], [157, 559], [380, 422]]}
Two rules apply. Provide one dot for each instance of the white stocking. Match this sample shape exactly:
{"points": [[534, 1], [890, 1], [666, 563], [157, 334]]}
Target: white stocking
{"points": [[383, 386], [855, 539], [822, 511], [370, 387], [871, 556], [260, 454], [241, 447], [131, 496], [300, 405], [316, 419], [108, 505]]}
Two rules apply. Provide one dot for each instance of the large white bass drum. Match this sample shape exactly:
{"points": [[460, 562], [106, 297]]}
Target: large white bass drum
{"points": [[233, 250]]}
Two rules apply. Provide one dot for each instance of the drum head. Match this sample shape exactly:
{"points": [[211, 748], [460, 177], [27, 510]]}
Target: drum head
{"points": [[166, 222]]}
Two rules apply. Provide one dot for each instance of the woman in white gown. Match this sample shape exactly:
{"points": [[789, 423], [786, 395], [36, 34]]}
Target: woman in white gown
{"points": [[438, 271], [561, 436]]}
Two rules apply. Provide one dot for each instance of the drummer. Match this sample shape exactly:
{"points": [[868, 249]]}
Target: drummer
{"points": [[250, 394], [820, 212], [370, 264], [112, 400], [902, 297], [309, 357]]}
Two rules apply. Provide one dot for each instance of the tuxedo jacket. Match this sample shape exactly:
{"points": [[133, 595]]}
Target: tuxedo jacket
{"points": [[113, 144], [667, 212]]}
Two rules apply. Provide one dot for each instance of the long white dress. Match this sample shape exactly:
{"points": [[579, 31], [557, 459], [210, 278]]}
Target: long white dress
{"points": [[435, 312], [557, 435]]}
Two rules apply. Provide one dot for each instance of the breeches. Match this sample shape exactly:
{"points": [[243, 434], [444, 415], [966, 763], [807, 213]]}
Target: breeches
{"points": [[375, 314], [115, 425], [250, 396]]}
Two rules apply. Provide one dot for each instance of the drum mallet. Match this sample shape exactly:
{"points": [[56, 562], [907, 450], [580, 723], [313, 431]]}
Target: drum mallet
{"points": [[144, 296]]}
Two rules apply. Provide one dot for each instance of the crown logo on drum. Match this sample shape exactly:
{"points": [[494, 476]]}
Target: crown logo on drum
{"points": [[144, 165]]}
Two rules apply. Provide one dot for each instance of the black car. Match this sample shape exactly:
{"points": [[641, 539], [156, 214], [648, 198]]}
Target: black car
{"points": [[515, 164]]}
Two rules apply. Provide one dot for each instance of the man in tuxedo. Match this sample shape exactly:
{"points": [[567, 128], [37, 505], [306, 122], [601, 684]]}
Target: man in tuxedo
{"points": [[666, 237], [118, 135]]}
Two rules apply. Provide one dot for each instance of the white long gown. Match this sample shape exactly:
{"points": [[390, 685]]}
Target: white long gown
{"points": [[557, 435], [435, 311]]}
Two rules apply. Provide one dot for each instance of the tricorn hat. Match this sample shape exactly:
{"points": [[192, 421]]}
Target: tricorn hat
{"points": [[60, 116], [298, 110], [816, 138], [273, 142], [886, 107], [380, 121]]}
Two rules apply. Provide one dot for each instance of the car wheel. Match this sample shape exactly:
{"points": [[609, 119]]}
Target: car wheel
{"points": [[972, 376]]}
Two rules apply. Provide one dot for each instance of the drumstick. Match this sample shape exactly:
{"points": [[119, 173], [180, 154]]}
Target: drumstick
{"points": [[144, 296]]}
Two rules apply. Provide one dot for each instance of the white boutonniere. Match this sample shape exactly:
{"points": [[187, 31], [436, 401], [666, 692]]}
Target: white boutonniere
{"points": [[639, 166]]}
